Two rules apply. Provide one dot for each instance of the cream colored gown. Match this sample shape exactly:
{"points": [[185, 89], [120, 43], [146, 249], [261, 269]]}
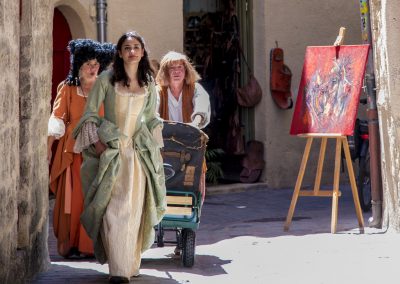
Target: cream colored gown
{"points": [[122, 232]]}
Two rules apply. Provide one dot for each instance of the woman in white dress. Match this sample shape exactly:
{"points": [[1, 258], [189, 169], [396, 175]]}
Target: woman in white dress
{"points": [[122, 173]]}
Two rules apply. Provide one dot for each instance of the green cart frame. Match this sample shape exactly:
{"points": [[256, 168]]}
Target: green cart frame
{"points": [[183, 217]]}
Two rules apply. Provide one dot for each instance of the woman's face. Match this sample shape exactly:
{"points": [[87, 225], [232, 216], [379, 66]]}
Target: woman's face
{"points": [[89, 70], [131, 51], [176, 72]]}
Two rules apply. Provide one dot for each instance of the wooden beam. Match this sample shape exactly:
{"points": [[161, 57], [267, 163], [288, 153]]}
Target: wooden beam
{"points": [[179, 200], [299, 181], [320, 193], [320, 166], [353, 185], [184, 211], [340, 38]]}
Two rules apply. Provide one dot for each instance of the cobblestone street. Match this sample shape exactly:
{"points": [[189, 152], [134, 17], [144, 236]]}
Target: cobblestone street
{"points": [[241, 240]]}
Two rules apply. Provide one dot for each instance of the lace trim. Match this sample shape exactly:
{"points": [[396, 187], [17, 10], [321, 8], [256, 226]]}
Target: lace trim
{"points": [[80, 92], [123, 91], [86, 137]]}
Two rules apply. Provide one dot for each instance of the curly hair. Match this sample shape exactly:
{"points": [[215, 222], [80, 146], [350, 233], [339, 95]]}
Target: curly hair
{"points": [[81, 51], [191, 75], [144, 73], [106, 55]]}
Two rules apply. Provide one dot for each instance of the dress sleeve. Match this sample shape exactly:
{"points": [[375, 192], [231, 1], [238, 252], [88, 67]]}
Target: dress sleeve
{"points": [[157, 135], [152, 117], [158, 102], [60, 114], [201, 105], [96, 96], [86, 137], [55, 127], [93, 103]]}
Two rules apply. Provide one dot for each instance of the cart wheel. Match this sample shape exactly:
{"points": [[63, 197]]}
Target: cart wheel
{"points": [[160, 236], [188, 247]]}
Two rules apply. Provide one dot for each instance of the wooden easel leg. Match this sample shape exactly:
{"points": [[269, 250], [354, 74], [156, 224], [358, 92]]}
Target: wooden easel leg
{"points": [[317, 183], [298, 183], [336, 176], [353, 185]]}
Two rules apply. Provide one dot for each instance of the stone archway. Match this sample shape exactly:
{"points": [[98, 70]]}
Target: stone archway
{"points": [[79, 18]]}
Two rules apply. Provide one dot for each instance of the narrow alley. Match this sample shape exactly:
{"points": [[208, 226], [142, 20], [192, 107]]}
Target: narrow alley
{"points": [[241, 240]]}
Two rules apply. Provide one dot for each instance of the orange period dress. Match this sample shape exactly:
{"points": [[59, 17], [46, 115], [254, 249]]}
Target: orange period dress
{"points": [[65, 181]]}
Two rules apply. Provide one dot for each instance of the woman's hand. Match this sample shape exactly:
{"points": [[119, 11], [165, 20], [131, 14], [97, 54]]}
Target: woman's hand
{"points": [[196, 121], [100, 147]]}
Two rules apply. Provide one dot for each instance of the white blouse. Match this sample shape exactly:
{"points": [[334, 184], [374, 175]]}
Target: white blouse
{"points": [[175, 107], [201, 106]]}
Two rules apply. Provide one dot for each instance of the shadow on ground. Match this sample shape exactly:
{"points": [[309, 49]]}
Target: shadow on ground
{"points": [[205, 265]]}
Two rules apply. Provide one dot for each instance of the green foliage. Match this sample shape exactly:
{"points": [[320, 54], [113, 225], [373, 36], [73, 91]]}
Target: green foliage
{"points": [[214, 169]]}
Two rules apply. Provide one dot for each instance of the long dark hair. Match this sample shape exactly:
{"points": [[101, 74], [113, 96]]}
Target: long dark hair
{"points": [[144, 72]]}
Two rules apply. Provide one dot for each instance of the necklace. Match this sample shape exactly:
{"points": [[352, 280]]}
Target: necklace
{"points": [[83, 92]]}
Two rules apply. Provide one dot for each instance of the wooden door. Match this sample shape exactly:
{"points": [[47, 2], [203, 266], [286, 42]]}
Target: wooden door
{"points": [[61, 37]]}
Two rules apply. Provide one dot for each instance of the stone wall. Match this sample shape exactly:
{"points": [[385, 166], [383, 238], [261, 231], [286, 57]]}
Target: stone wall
{"points": [[9, 135], [26, 58]]}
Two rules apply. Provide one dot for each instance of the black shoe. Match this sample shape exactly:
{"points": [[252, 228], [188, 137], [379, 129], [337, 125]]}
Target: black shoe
{"points": [[118, 279]]}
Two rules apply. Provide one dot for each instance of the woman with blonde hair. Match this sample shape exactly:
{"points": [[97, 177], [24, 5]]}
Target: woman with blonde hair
{"points": [[181, 98]]}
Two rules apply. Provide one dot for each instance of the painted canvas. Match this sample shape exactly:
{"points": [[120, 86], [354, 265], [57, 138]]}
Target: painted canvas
{"points": [[330, 87]]}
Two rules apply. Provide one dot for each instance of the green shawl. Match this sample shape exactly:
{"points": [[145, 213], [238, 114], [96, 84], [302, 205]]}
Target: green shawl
{"points": [[98, 174]]}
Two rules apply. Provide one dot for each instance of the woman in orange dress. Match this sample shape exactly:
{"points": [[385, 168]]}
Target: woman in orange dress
{"points": [[88, 57]]}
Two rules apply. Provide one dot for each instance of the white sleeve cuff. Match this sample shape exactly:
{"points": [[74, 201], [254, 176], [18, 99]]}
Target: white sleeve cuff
{"points": [[55, 127]]}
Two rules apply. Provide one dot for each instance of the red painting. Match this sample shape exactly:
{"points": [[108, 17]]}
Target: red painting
{"points": [[329, 92]]}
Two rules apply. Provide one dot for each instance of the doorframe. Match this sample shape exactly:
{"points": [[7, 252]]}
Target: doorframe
{"points": [[244, 9]]}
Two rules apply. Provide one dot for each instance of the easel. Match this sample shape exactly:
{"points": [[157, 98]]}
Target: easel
{"points": [[341, 142]]}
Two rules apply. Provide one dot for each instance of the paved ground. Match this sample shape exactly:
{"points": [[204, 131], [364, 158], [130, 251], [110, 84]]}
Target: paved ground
{"points": [[241, 240]]}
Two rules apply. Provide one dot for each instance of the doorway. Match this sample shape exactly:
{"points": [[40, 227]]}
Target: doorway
{"points": [[214, 33], [61, 37]]}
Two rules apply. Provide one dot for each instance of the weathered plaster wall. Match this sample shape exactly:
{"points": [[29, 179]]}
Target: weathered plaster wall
{"points": [[35, 86], [159, 22], [385, 16], [26, 60], [9, 135], [295, 25]]}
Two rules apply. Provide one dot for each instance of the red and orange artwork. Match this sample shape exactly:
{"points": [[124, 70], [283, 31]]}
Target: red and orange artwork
{"points": [[329, 92]]}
